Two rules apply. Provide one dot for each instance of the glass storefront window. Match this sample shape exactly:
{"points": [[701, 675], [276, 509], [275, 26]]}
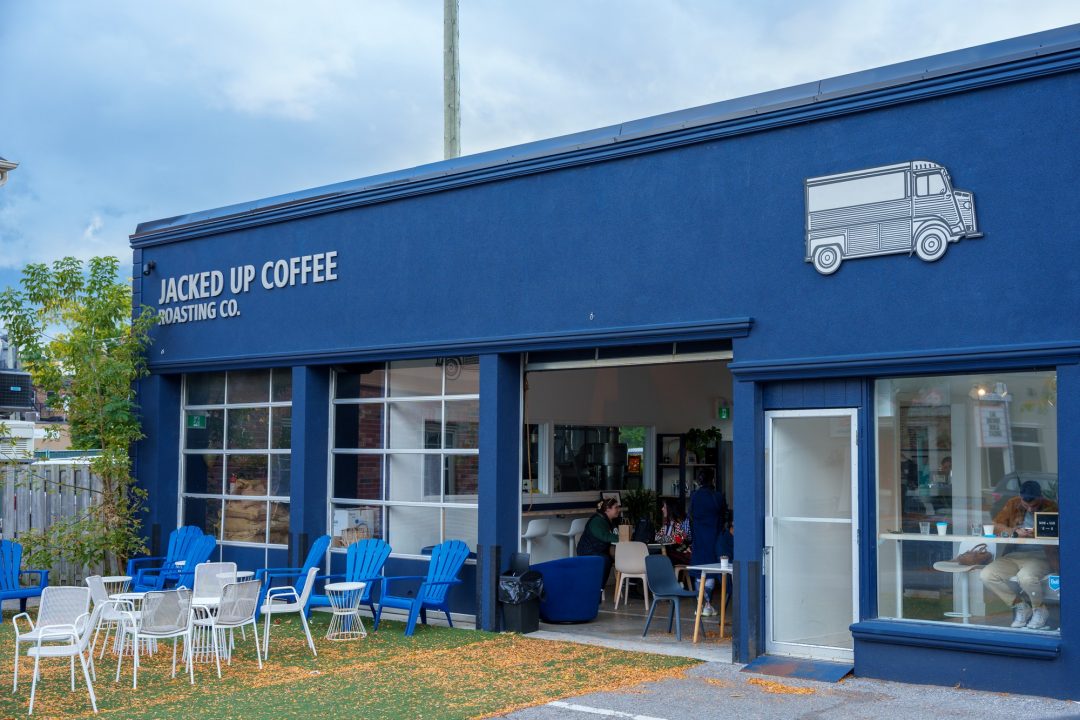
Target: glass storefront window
{"points": [[236, 464], [964, 461], [406, 453]]}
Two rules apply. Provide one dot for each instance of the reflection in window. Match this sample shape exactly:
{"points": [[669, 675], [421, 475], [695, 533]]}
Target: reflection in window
{"points": [[593, 458], [964, 460], [406, 452]]}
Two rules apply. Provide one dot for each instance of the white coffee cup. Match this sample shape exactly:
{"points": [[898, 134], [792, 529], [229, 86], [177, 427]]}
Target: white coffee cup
{"points": [[942, 527], [988, 531]]}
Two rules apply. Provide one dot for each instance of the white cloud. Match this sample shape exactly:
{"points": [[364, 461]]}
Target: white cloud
{"points": [[91, 231]]}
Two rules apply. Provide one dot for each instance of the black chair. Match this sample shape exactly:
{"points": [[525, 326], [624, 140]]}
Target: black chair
{"points": [[661, 577]]}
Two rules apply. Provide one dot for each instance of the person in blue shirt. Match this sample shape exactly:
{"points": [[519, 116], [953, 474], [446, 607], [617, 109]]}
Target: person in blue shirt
{"points": [[708, 513]]}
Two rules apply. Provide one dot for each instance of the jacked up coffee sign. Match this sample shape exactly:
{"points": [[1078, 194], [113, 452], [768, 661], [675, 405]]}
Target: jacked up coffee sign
{"points": [[207, 295]]}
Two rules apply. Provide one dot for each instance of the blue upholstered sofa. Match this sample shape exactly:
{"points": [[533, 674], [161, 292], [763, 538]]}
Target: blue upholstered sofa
{"points": [[567, 582]]}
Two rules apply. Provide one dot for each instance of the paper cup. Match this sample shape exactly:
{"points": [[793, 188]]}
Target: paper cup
{"points": [[942, 527], [988, 531]]}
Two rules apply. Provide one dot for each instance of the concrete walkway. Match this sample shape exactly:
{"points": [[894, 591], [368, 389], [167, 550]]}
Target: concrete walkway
{"points": [[719, 690]]}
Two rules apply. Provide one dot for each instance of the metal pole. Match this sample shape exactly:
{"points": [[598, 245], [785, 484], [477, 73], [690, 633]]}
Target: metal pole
{"points": [[451, 89]]}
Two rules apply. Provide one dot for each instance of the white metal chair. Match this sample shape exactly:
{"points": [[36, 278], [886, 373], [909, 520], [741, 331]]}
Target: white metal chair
{"points": [[535, 529], [60, 606], [164, 615], [571, 536], [207, 584], [280, 600], [75, 638], [110, 617], [237, 607], [630, 564]]}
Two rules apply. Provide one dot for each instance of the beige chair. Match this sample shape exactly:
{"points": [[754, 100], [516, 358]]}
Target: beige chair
{"points": [[630, 564], [535, 529], [571, 536]]}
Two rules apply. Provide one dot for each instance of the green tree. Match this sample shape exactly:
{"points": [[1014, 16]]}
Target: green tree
{"points": [[78, 338]]}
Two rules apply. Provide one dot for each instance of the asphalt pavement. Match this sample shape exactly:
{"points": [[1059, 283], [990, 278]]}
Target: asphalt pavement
{"points": [[720, 690]]}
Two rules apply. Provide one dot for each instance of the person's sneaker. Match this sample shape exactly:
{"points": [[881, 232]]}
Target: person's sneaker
{"points": [[1038, 619], [708, 610], [1021, 615]]}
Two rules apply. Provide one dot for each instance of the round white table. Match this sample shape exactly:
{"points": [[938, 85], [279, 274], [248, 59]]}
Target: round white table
{"points": [[116, 583], [706, 570], [345, 624], [231, 577]]}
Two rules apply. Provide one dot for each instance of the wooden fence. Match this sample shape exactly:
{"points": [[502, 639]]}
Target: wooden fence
{"points": [[36, 495]]}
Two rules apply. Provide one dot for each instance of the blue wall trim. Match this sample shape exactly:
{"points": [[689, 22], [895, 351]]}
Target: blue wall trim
{"points": [[924, 361], [971, 69], [604, 337], [993, 642]]}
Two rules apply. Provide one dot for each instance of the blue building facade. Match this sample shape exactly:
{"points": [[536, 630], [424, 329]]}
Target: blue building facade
{"points": [[317, 347]]}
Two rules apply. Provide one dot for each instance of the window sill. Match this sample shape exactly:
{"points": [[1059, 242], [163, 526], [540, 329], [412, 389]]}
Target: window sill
{"points": [[1016, 644]]}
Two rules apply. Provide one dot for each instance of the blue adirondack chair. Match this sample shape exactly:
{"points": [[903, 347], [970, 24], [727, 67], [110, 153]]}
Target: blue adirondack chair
{"points": [[10, 572], [446, 561], [294, 576], [197, 553], [153, 573], [363, 563]]}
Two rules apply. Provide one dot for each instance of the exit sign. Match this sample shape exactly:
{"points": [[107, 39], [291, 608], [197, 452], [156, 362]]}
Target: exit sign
{"points": [[196, 422]]}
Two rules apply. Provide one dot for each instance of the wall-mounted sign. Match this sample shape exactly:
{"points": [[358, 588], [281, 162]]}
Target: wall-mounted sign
{"points": [[908, 207], [195, 296], [196, 421]]}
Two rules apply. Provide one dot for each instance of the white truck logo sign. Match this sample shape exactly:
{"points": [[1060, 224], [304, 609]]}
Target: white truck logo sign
{"points": [[908, 207]]}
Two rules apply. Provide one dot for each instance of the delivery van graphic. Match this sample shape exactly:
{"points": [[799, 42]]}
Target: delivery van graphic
{"points": [[908, 207]]}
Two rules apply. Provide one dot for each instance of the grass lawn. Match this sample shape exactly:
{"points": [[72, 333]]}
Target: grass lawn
{"points": [[437, 673]]}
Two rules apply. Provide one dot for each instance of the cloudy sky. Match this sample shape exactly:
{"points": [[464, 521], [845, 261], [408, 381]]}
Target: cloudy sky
{"points": [[124, 111]]}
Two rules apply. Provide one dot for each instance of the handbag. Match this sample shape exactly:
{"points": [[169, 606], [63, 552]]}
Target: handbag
{"points": [[978, 555]]}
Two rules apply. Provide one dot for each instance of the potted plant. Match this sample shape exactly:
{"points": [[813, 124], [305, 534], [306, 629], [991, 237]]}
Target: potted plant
{"points": [[702, 442]]}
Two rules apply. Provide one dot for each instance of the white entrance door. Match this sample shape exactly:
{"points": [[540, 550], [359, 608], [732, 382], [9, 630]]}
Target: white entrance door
{"points": [[811, 562]]}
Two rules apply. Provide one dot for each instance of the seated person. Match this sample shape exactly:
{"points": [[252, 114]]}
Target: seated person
{"points": [[675, 532], [1028, 563], [601, 533]]}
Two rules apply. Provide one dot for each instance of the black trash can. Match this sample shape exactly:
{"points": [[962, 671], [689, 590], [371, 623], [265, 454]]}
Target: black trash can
{"points": [[519, 598]]}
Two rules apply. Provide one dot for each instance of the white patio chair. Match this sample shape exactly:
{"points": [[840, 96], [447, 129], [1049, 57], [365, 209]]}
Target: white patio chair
{"points": [[76, 639], [60, 605], [237, 607], [280, 600], [110, 617], [207, 583], [164, 615]]}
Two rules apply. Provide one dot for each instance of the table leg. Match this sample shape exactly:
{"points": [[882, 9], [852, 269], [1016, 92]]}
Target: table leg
{"points": [[723, 603], [700, 602]]}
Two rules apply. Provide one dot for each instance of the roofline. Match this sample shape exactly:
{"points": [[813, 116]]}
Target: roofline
{"points": [[1012, 60]]}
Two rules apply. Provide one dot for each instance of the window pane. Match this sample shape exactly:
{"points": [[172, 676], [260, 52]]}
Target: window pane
{"points": [[249, 428], [209, 430], [358, 477], [352, 523], [414, 478], [462, 375], [247, 475], [415, 377], [282, 385], [461, 525], [955, 453], [411, 529], [361, 381], [202, 513], [462, 478], [281, 428], [415, 425], [206, 389], [279, 523], [280, 475], [203, 473], [463, 424], [245, 521], [249, 386], [358, 426]]}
